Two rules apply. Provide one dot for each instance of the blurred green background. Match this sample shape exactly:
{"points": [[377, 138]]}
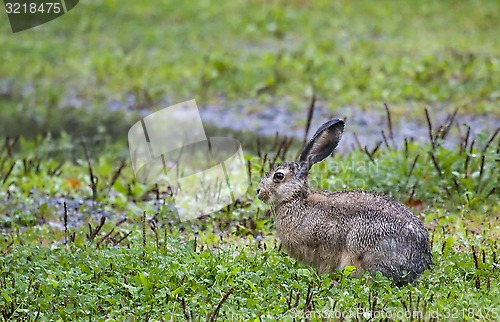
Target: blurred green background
{"points": [[85, 71]]}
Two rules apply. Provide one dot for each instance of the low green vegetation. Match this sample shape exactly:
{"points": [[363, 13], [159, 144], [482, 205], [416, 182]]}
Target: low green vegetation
{"points": [[119, 251], [82, 239]]}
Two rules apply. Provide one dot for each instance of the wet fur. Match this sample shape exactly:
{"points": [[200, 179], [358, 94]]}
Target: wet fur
{"points": [[331, 230]]}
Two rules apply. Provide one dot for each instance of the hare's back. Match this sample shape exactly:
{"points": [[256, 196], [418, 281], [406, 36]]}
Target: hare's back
{"points": [[360, 204]]}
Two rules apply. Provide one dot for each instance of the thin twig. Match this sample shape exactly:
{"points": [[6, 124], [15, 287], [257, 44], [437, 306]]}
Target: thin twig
{"points": [[93, 179], [263, 165], [377, 146], [436, 164], [55, 171], [186, 312], [116, 174], [105, 236], [121, 239], [65, 223], [406, 148], [9, 172], [287, 147], [445, 128], [93, 232], [358, 143], [481, 169], [309, 296], [411, 169], [412, 193], [466, 166], [465, 141], [249, 169], [143, 220], [490, 140], [368, 154], [385, 141], [389, 122], [429, 126], [276, 141], [259, 150], [310, 113], [211, 317]]}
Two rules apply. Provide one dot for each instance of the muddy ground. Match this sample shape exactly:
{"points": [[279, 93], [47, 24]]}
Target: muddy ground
{"points": [[365, 124]]}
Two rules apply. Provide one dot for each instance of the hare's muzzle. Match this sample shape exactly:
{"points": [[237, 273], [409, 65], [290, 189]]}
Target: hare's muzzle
{"points": [[259, 195], [262, 195]]}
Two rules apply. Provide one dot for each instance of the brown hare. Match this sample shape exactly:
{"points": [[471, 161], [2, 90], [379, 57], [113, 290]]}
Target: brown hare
{"points": [[332, 230]]}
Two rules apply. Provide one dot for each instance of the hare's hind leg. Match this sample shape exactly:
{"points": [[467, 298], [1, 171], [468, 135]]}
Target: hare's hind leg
{"points": [[391, 258], [350, 259]]}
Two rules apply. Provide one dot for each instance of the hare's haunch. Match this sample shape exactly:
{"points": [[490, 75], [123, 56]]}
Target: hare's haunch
{"points": [[336, 229]]}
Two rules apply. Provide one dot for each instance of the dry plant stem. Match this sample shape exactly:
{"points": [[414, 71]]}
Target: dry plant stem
{"points": [[187, 314], [93, 179], [65, 223], [375, 149], [444, 129], [143, 235], [493, 136], [481, 169], [368, 154], [466, 166], [249, 170], [9, 146], [308, 305], [123, 238], [275, 141], [289, 300], [385, 140], [440, 173], [108, 234], [56, 170], [93, 232], [116, 174], [297, 299], [389, 124], [287, 147], [262, 168], [429, 126], [8, 172], [211, 317], [411, 169], [259, 148], [310, 113], [358, 143], [406, 148], [466, 140]]}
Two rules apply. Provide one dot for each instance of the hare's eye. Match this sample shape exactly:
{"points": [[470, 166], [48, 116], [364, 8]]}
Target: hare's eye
{"points": [[278, 176]]}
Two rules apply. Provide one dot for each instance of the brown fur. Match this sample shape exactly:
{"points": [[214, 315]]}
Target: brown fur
{"points": [[331, 230]]}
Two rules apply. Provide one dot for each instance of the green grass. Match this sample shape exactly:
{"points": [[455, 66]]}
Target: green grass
{"points": [[153, 266]]}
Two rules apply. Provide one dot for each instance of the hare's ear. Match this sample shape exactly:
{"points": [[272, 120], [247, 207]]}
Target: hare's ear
{"points": [[323, 142]]}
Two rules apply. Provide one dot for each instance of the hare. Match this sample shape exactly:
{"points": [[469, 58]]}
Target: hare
{"points": [[332, 230]]}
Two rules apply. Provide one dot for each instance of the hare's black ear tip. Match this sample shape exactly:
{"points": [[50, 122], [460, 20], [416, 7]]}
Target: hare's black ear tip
{"points": [[338, 122]]}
